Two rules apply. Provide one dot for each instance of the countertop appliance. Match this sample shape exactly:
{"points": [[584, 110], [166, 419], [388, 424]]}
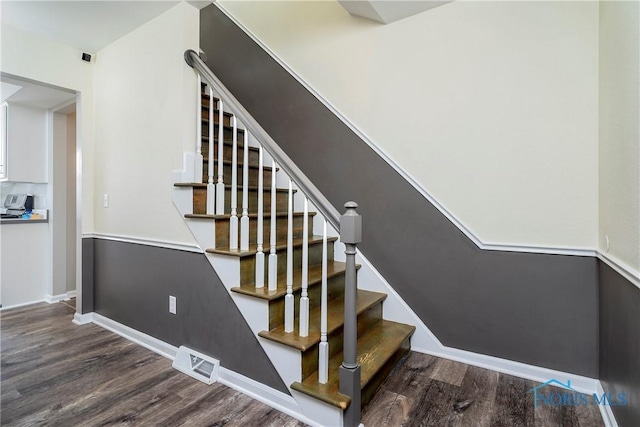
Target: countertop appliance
{"points": [[17, 204]]}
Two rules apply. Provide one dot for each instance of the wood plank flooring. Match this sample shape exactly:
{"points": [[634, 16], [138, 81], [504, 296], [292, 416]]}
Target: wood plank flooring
{"points": [[425, 391], [55, 373]]}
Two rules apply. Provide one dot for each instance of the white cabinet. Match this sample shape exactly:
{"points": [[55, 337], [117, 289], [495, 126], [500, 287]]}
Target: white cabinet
{"points": [[24, 144]]}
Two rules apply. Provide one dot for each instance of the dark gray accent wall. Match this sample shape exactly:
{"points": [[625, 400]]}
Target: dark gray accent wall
{"points": [[132, 284], [620, 343], [532, 308], [87, 276]]}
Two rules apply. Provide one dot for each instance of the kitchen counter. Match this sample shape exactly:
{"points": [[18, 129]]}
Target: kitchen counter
{"points": [[43, 213]]}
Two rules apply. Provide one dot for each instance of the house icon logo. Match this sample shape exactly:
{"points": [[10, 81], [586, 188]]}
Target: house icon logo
{"points": [[544, 394]]}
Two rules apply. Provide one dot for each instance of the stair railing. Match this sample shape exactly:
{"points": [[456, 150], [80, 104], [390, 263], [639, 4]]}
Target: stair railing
{"points": [[349, 224]]}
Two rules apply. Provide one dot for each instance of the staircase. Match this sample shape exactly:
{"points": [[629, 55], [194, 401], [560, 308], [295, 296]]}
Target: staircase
{"points": [[380, 343]]}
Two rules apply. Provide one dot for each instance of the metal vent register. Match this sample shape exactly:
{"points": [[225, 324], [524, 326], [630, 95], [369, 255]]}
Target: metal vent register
{"points": [[196, 365]]}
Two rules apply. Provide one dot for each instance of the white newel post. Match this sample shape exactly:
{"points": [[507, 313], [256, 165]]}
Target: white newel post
{"points": [[244, 221], [304, 296], [220, 185], [273, 257], [289, 299], [260, 225], [233, 221]]}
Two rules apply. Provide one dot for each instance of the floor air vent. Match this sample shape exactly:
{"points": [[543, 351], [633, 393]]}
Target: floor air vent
{"points": [[196, 365]]}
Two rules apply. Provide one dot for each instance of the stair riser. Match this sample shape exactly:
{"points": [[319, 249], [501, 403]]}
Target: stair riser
{"points": [[366, 320], [247, 264], [216, 115], [200, 201], [227, 152], [253, 175], [372, 386], [335, 289], [228, 134], [222, 230]]}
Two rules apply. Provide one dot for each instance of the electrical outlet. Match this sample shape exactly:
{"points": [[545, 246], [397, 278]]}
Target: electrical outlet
{"points": [[172, 304], [105, 200]]}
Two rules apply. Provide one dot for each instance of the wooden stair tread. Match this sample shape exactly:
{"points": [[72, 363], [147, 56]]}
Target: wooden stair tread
{"points": [[335, 319], [228, 143], [206, 95], [250, 215], [251, 187], [240, 165], [375, 348], [266, 247], [334, 268]]}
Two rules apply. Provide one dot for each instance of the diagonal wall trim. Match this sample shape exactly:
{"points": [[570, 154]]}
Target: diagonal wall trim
{"points": [[145, 241], [490, 246], [623, 269]]}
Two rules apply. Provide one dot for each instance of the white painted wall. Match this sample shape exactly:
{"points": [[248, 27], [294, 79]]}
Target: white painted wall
{"points": [[492, 107], [620, 131], [145, 117]]}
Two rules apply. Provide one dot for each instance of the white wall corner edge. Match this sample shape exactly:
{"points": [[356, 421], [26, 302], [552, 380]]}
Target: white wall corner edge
{"points": [[605, 410]]}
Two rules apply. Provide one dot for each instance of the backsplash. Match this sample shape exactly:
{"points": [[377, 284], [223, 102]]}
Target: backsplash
{"points": [[39, 192]]}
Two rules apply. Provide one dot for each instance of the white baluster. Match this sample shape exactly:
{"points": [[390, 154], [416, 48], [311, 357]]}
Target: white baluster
{"points": [[260, 225], [197, 162], [273, 257], [244, 221], [288, 299], [211, 188], [304, 297], [323, 349], [220, 185], [233, 221]]}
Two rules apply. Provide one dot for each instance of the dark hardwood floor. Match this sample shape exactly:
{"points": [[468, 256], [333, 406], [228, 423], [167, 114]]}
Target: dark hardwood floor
{"points": [[425, 391], [55, 373]]}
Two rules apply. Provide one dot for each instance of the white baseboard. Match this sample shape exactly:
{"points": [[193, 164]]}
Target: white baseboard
{"points": [[265, 394], [82, 319], [51, 299], [71, 294], [517, 369], [258, 391], [22, 304], [605, 410], [147, 341]]}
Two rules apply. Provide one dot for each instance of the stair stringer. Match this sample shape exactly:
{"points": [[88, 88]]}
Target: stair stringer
{"points": [[287, 361]]}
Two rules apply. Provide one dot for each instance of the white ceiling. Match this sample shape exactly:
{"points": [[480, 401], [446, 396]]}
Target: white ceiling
{"points": [[86, 25]]}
